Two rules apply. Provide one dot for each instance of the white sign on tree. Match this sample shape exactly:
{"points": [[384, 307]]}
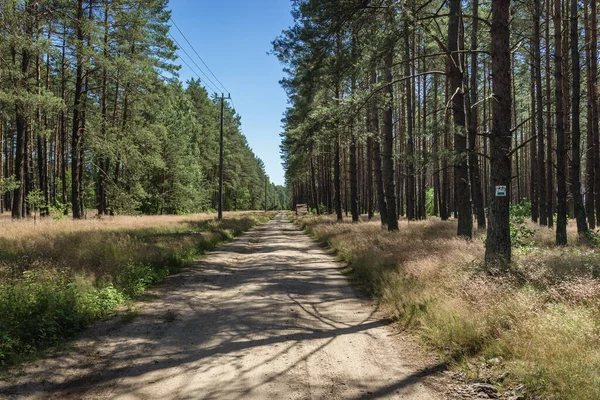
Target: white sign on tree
{"points": [[500, 191]]}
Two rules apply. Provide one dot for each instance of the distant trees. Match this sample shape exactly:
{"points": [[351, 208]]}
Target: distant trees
{"points": [[90, 116], [467, 129]]}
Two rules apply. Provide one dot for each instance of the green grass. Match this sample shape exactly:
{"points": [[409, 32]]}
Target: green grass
{"points": [[58, 279]]}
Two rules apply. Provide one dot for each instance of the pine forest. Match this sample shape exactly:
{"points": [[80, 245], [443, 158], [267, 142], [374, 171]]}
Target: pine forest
{"points": [[445, 108], [92, 116]]}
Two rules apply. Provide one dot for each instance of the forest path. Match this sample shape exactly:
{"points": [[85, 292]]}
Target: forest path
{"points": [[267, 316]]}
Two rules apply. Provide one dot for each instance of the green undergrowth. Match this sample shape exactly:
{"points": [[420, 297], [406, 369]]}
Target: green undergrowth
{"points": [[54, 284], [534, 332]]}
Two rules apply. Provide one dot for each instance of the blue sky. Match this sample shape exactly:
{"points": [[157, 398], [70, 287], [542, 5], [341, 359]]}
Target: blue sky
{"points": [[233, 38]]}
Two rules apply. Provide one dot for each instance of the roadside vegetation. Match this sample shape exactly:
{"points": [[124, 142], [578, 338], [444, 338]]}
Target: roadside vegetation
{"points": [[535, 327], [58, 276]]}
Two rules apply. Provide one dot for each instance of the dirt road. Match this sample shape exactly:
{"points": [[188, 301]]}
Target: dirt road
{"points": [[268, 316]]}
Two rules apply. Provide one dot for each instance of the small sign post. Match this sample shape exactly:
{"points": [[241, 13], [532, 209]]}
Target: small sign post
{"points": [[500, 191], [301, 209]]}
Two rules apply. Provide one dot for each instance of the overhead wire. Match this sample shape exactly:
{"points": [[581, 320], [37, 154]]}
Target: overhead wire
{"points": [[214, 85], [200, 58], [196, 73]]}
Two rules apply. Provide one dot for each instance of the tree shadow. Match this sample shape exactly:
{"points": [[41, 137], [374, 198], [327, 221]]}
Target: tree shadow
{"points": [[264, 298]]}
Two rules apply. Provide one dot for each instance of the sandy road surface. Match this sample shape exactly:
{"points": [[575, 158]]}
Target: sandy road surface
{"points": [[268, 316]]}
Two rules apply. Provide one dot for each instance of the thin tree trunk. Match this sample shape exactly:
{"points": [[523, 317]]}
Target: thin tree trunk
{"points": [[337, 179], [369, 165], [22, 125], [474, 169], [594, 105], [533, 187], [589, 153], [549, 131], [423, 196], [63, 125], [76, 139], [313, 180], [388, 142], [580, 216], [461, 168], [539, 114], [561, 224], [103, 162], [436, 149], [446, 179], [410, 156], [377, 166]]}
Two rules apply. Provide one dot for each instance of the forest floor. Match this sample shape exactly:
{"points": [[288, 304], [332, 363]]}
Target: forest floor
{"points": [[268, 316]]}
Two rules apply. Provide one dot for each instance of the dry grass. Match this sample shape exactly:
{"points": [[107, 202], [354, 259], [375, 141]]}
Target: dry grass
{"points": [[543, 320], [99, 247], [57, 276], [22, 229]]}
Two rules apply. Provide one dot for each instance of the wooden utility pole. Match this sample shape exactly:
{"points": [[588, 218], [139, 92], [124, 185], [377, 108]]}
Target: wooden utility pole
{"points": [[220, 215]]}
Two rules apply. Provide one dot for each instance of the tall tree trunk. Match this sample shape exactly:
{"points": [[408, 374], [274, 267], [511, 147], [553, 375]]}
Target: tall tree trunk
{"points": [[388, 141], [436, 149], [63, 124], [561, 223], [594, 105], [353, 180], [425, 155], [474, 169], [498, 246], [369, 169], [313, 181], [45, 174], [353, 170], [590, 155], [580, 216], [461, 168], [549, 131], [539, 115], [566, 88], [337, 182], [377, 166], [76, 138], [446, 179], [533, 186], [410, 156], [21, 123], [103, 161]]}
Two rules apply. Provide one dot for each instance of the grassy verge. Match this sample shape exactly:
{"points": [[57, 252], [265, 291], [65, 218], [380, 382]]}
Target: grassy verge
{"points": [[57, 277], [536, 329]]}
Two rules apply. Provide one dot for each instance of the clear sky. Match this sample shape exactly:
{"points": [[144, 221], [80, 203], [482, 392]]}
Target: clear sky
{"points": [[233, 38]]}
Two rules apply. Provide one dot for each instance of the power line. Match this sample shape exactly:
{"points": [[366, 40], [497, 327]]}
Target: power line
{"points": [[192, 60], [194, 50], [196, 73]]}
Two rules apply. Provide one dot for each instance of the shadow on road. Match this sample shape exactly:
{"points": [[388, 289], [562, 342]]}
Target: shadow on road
{"points": [[249, 316]]}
